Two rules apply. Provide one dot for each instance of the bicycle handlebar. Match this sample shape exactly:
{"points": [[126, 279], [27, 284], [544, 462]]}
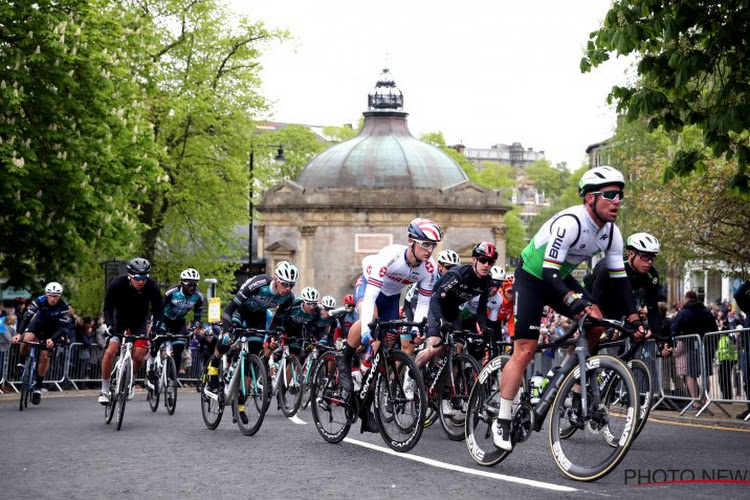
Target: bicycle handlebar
{"points": [[398, 323]]}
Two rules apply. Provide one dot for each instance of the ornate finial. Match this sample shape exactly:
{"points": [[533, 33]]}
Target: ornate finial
{"points": [[386, 95]]}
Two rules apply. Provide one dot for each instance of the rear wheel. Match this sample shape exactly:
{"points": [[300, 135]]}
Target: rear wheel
{"points": [[307, 375], [454, 396], [328, 411], [290, 387], [248, 401], [211, 409], [170, 392]]}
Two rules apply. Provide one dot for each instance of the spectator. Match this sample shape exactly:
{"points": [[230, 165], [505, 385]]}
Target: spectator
{"points": [[694, 318], [726, 356], [742, 296], [7, 330]]}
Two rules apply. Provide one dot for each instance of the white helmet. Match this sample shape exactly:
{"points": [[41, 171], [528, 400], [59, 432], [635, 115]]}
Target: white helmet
{"points": [[497, 273], [448, 257], [328, 302], [190, 275], [309, 294], [286, 272], [643, 242], [599, 177], [53, 288]]}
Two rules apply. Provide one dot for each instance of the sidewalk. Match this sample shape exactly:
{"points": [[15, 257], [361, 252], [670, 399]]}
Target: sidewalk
{"points": [[712, 417]]}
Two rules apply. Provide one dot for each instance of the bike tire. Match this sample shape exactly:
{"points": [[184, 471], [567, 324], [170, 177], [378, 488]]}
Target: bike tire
{"points": [[211, 409], [109, 408], [328, 411], [401, 420], [484, 406], [26, 383], [586, 445], [249, 399], [170, 391], [308, 370], [642, 378], [466, 376], [153, 396], [290, 387], [122, 395]]}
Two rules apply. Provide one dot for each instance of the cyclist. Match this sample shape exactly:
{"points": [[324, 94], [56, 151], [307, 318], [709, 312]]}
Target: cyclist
{"points": [[298, 322], [447, 259], [178, 301], [249, 306], [47, 319], [126, 308], [499, 310], [455, 288], [393, 268], [346, 319], [327, 324], [642, 249], [544, 277]]}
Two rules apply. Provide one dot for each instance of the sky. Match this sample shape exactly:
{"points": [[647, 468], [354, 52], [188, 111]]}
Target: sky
{"points": [[480, 72]]}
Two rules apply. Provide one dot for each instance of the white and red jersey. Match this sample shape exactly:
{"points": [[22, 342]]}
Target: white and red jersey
{"points": [[388, 273]]}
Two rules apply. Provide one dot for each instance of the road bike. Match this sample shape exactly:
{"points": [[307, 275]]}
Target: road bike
{"points": [[166, 375], [28, 376], [243, 383], [315, 351], [121, 381], [400, 416], [285, 372], [575, 398]]}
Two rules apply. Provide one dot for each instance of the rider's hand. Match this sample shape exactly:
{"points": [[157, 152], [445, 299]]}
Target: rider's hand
{"points": [[577, 303], [50, 344], [16, 338], [666, 351], [639, 331]]}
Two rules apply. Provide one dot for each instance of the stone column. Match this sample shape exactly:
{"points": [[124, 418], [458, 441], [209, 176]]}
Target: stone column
{"points": [[261, 241], [499, 234], [307, 256]]}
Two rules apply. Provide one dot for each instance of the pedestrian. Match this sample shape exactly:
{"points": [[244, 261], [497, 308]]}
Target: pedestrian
{"points": [[742, 297]]}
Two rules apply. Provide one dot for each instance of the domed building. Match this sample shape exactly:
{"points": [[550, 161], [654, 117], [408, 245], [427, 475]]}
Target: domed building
{"points": [[360, 195]]}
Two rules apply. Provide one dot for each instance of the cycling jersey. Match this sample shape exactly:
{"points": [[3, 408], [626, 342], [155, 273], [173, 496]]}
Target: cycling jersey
{"points": [[46, 321], [252, 300], [456, 287], [296, 322], [177, 304], [126, 308], [387, 274]]}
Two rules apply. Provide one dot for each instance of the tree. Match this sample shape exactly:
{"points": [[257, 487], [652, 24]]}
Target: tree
{"points": [[341, 134], [76, 154], [300, 146], [495, 176], [568, 197], [693, 71], [546, 178]]}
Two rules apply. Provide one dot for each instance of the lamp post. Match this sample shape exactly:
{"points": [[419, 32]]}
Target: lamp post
{"points": [[279, 158]]}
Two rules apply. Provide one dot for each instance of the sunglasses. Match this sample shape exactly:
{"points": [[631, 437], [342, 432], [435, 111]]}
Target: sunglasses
{"points": [[190, 283], [611, 195], [646, 257], [486, 260], [139, 277], [427, 245], [286, 284]]}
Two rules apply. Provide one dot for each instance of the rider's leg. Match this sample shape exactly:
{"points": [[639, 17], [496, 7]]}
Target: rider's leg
{"points": [[139, 357], [108, 361], [430, 351], [23, 352], [42, 368]]}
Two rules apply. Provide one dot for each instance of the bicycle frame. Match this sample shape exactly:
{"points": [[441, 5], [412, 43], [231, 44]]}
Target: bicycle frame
{"points": [[126, 356]]}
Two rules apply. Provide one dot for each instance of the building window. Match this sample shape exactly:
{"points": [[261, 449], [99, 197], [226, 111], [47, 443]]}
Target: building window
{"points": [[371, 243]]}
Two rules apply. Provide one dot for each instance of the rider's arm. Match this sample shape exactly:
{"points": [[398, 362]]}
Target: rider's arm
{"points": [[652, 308], [198, 309], [424, 290], [482, 318], [27, 315], [622, 290], [154, 296], [111, 298], [250, 287]]}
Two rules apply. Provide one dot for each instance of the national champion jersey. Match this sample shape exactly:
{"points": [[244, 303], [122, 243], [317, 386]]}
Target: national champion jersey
{"points": [[570, 238], [177, 304]]}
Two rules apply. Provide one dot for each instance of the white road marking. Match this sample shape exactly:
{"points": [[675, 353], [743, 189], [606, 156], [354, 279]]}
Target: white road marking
{"points": [[297, 420], [458, 468]]}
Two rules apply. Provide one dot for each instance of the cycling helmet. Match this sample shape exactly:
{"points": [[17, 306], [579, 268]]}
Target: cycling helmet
{"points": [[328, 302], [497, 274], [425, 230], [287, 272], [643, 242], [448, 257], [484, 249], [53, 288], [349, 299], [310, 295], [599, 177], [508, 283], [190, 275], [139, 266]]}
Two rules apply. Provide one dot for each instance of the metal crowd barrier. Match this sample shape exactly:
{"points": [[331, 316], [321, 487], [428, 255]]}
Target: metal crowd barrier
{"points": [[55, 375]]}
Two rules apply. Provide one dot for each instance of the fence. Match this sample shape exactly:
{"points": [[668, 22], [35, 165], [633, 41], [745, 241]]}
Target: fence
{"points": [[79, 364]]}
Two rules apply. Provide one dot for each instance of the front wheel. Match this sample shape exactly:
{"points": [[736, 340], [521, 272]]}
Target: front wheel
{"points": [[290, 387], [122, 394], [170, 391], [153, 395], [307, 375], [453, 395], [248, 401], [585, 456], [109, 408], [26, 379], [400, 402], [211, 408], [329, 412]]}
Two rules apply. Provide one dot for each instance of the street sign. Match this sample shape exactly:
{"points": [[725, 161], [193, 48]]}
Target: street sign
{"points": [[214, 310]]}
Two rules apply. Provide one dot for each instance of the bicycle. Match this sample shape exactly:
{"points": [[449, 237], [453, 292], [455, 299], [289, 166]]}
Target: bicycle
{"points": [[121, 381], [584, 458], [315, 349], [451, 374], [400, 419], [166, 375], [243, 381], [28, 376], [285, 372]]}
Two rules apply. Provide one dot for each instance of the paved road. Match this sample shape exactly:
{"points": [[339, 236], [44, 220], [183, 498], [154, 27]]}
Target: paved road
{"points": [[70, 453]]}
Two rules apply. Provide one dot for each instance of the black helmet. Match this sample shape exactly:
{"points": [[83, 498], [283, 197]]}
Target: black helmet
{"points": [[139, 266], [484, 249]]}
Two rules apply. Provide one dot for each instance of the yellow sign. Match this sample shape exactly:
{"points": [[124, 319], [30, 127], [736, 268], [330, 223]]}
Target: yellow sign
{"points": [[214, 310]]}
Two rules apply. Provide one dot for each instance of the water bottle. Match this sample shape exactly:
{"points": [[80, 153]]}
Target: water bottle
{"points": [[356, 378], [536, 387]]}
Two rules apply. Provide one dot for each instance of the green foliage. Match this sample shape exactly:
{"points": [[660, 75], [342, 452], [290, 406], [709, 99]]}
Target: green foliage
{"points": [[692, 64], [340, 134], [551, 180], [515, 235], [495, 176], [300, 146]]}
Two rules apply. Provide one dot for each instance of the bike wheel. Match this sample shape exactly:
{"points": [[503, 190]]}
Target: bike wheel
{"points": [[585, 456], [153, 395], [26, 378], [247, 404], [170, 391], [483, 408], [401, 419], [211, 408], [109, 408], [307, 375], [122, 394], [328, 410], [456, 393], [615, 396], [290, 387]]}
